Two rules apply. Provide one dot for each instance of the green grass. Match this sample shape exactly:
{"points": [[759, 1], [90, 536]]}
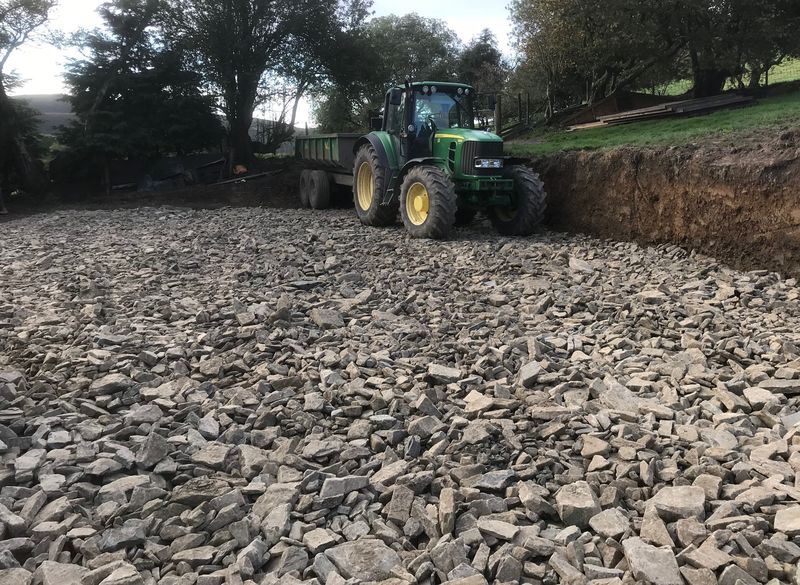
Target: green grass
{"points": [[767, 113], [786, 71]]}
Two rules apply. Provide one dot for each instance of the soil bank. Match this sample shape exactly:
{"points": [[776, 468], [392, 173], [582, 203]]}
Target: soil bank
{"points": [[740, 204]]}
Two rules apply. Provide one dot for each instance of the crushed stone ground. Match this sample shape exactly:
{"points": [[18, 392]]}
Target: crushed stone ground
{"points": [[285, 396]]}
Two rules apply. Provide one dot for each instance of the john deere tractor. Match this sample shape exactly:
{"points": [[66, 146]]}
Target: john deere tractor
{"points": [[425, 159]]}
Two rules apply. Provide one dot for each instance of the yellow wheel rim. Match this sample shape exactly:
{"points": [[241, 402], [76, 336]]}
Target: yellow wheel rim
{"points": [[418, 204], [365, 186]]}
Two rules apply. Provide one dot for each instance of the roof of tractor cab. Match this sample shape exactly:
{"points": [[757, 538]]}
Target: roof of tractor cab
{"points": [[438, 84]]}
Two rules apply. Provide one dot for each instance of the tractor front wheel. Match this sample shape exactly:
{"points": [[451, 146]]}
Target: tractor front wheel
{"points": [[428, 203], [369, 185], [530, 202]]}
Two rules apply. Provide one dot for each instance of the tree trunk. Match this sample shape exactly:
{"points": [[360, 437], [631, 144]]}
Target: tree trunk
{"points": [[709, 82], [241, 102], [240, 139]]}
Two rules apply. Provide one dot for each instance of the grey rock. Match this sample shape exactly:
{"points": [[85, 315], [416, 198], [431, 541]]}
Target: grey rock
{"points": [[368, 559], [650, 564], [576, 504]]}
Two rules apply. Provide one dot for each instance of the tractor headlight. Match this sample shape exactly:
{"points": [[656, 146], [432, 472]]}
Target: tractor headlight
{"points": [[424, 89], [488, 163], [460, 91], [433, 89]]}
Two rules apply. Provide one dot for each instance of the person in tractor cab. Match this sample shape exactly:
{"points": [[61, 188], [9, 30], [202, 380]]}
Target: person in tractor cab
{"points": [[434, 112]]}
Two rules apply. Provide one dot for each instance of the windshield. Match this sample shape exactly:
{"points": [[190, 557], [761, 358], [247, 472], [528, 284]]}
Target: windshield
{"points": [[445, 109]]}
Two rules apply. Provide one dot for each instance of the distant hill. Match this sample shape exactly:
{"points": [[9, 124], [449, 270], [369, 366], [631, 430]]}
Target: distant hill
{"points": [[55, 111]]}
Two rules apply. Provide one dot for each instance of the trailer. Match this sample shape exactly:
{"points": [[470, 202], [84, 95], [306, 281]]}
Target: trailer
{"points": [[328, 159]]}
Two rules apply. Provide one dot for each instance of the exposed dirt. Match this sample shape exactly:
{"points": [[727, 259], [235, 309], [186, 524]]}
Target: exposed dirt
{"points": [[739, 203], [277, 190]]}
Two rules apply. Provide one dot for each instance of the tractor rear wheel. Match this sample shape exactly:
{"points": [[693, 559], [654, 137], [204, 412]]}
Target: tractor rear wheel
{"points": [[305, 178], [530, 202], [369, 185], [428, 203], [319, 190]]}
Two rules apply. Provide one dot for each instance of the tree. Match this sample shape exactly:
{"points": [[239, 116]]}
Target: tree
{"points": [[727, 38], [414, 47], [235, 42], [386, 52], [481, 63], [19, 19], [132, 95], [588, 49]]}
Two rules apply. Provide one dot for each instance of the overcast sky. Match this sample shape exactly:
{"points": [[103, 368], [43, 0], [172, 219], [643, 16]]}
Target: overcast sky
{"points": [[41, 66]]}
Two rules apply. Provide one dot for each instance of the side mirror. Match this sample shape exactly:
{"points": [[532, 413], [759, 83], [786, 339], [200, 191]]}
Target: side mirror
{"points": [[395, 96], [492, 101], [376, 123]]}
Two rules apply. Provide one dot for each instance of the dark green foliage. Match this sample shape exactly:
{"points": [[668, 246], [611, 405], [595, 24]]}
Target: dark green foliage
{"points": [[20, 145], [481, 64], [238, 44], [133, 95], [583, 50], [19, 140], [385, 52]]}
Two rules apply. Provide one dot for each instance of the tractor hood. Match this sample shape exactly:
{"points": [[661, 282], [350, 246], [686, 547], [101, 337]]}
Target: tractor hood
{"points": [[465, 134]]}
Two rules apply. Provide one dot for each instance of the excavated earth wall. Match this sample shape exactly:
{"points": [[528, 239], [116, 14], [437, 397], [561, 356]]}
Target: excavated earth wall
{"points": [[739, 203]]}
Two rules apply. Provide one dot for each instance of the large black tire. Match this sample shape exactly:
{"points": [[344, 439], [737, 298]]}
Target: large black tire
{"points": [[305, 178], [465, 216], [319, 190], [435, 216], [367, 193], [531, 203]]}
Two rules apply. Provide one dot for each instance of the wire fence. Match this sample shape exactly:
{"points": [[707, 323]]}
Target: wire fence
{"points": [[785, 72]]}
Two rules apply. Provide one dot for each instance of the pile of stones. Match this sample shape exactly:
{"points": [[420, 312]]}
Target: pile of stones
{"points": [[249, 396]]}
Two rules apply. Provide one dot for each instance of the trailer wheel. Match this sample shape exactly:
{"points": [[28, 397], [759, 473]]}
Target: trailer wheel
{"points": [[319, 190], [305, 178], [369, 185], [531, 202], [428, 203]]}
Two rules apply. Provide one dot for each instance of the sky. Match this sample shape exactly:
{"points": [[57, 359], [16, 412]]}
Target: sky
{"points": [[41, 65]]}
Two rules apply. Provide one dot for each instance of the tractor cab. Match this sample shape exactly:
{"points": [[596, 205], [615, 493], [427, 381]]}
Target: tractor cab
{"points": [[415, 114]]}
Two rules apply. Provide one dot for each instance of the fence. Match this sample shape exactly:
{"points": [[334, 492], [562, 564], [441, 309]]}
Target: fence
{"points": [[507, 114]]}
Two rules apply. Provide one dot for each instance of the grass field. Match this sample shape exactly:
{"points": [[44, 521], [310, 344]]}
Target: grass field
{"points": [[767, 113], [786, 71]]}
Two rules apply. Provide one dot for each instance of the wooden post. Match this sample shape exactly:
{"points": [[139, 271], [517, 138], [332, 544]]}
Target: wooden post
{"points": [[519, 107], [528, 108], [498, 114]]}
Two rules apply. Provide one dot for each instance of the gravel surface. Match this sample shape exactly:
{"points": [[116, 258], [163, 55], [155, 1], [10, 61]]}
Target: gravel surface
{"points": [[278, 397]]}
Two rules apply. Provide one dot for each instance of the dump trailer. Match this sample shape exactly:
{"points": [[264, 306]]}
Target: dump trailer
{"points": [[425, 160]]}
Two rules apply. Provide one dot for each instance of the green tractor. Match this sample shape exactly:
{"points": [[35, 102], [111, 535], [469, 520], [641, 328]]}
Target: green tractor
{"points": [[425, 159]]}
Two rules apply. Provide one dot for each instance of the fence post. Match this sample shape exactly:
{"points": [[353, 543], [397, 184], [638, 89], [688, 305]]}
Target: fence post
{"points": [[498, 114], [528, 108], [519, 107]]}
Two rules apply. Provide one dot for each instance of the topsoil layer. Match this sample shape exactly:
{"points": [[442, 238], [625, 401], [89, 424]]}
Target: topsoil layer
{"points": [[738, 203]]}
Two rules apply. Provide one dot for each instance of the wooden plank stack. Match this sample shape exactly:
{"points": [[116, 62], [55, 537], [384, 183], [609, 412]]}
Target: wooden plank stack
{"points": [[679, 108]]}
